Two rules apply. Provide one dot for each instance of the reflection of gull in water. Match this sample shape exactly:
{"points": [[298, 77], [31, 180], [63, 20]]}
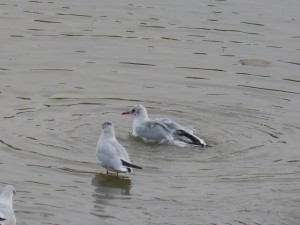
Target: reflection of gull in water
{"points": [[7, 215], [110, 154], [108, 188], [161, 130], [112, 185]]}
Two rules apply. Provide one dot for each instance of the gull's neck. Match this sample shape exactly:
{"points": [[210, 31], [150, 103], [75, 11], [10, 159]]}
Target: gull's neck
{"points": [[107, 135], [140, 118]]}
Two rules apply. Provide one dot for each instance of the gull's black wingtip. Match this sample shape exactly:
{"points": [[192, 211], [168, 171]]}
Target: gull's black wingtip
{"points": [[124, 163], [192, 139]]}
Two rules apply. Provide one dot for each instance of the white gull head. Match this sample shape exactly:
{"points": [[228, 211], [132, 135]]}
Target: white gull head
{"points": [[140, 116]]}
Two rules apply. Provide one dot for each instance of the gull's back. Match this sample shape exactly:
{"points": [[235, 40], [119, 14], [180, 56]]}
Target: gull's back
{"points": [[154, 131]]}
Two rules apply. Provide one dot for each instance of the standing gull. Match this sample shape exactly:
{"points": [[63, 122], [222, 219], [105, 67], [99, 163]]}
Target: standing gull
{"points": [[110, 154], [7, 214], [162, 130]]}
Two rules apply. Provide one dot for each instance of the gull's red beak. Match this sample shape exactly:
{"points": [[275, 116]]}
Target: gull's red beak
{"points": [[126, 113]]}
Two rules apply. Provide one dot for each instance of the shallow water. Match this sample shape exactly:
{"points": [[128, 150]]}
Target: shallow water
{"points": [[229, 69]]}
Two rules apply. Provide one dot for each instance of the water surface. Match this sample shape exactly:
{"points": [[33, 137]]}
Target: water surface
{"points": [[229, 69]]}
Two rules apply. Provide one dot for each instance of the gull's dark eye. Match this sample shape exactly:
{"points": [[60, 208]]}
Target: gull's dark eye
{"points": [[133, 110]]}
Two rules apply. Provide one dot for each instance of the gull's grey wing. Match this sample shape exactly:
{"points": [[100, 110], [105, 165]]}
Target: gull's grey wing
{"points": [[121, 151], [170, 124], [174, 126], [108, 157], [182, 133], [154, 131]]}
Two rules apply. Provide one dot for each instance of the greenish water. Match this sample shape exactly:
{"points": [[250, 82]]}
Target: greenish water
{"points": [[229, 69]]}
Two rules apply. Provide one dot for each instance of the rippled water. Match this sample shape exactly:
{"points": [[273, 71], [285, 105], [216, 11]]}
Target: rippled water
{"points": [[229, 69]]}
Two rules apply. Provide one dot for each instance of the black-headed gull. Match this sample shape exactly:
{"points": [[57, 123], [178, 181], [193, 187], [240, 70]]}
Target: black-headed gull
{"points": [[110, 153], [7, 214], [162, 130]]}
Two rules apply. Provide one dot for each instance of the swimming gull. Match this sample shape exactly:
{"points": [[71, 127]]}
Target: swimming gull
{"points": [[161, 130]]}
